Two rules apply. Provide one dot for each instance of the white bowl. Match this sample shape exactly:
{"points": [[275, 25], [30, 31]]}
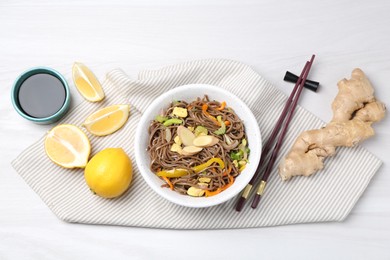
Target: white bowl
{"points": [[189, 93]]}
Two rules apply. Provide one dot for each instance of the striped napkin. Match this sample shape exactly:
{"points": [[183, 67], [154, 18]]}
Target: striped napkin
{"points": [[329, 195]]}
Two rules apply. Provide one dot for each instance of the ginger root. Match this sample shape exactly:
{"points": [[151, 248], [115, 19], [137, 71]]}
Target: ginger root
{"points": [[354, 110]]}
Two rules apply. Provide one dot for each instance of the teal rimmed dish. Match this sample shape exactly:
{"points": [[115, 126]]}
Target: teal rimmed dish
{"points": [[48, 119]]}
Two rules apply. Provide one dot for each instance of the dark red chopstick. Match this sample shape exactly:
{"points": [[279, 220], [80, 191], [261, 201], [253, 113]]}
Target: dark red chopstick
{"points": [[287, 109], [279, 142], [241, 202]]}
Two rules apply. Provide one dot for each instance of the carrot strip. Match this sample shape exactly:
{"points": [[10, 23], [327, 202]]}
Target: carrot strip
{"points": [[169, 182], [219, 190], [231, 180], [227, 122], [223, 105], [212, 193], [228, 171], [204, 110]]}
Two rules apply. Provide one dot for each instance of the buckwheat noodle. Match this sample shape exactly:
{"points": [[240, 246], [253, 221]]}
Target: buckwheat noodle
{"points": [[162, 158]]}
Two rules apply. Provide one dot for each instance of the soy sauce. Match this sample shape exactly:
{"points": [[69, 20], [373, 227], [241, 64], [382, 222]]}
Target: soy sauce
{"points": [[41, 95]]}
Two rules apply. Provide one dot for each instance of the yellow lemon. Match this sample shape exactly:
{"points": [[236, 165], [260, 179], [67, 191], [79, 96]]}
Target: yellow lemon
{"points": [[109, 173], [67, 146], [87, 83], [107, 120]]}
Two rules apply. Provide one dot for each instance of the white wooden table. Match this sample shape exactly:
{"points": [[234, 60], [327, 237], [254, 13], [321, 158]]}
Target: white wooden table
{"points": [[272, 36]]}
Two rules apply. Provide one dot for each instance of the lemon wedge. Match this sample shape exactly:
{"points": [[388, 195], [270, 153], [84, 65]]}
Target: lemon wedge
{"points": [[67, 146], [107, 120], [86, 83]]}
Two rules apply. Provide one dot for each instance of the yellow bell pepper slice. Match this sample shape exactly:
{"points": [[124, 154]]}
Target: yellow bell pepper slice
{"points": [[242, 168], [175, 173], [202, 167]]}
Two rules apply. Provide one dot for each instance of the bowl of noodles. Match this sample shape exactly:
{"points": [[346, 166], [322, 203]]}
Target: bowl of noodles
{"points": [[197, 145]]}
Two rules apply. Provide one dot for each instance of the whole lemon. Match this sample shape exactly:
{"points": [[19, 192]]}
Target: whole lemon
{"points": [[109, 173]]}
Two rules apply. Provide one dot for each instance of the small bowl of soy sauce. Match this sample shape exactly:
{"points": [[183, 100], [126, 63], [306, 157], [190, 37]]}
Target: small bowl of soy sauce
{"points": [[41, 95]]}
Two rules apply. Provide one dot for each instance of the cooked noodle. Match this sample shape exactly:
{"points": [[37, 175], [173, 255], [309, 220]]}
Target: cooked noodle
{"points": [[160, 143]]}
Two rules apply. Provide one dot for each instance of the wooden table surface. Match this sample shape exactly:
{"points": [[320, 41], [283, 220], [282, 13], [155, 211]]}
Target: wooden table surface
{"points": [[271, 36]]}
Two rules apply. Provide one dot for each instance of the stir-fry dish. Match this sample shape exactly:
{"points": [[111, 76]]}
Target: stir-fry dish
{"points": [[198, 148]]}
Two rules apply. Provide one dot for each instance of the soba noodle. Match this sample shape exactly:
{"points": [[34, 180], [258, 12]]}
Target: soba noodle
{"points": [[162, 158]]}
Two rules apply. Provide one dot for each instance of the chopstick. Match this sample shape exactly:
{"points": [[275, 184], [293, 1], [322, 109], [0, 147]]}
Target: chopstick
{"points": [[287, 110], [279, 142]]}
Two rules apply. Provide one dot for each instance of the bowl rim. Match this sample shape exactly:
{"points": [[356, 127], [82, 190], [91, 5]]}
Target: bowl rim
{"points": [[148, 175], [33, 71]]}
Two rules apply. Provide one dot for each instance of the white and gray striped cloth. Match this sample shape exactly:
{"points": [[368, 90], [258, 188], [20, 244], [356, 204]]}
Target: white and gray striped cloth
{"points": [[329, 195]]}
